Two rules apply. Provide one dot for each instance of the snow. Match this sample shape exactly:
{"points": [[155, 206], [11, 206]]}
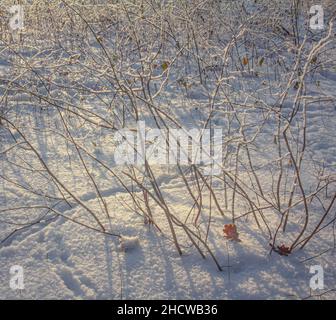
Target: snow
{"points": [[63, 260]]}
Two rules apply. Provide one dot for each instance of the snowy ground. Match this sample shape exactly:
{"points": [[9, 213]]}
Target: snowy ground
{"points": [[62, 260], [41, 223]]}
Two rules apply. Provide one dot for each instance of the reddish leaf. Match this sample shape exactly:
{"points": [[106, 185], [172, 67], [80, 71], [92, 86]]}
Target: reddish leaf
{"points": [[283, 250], [230, 232]]}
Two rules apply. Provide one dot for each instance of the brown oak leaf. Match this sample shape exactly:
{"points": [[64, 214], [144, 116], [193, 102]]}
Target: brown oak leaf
{"points": [[230, 232]]}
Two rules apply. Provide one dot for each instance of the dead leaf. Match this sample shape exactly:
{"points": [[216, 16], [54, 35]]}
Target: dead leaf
{"points": [[283, 250], [261, 61], [230, 232], [313, 60], [165, 65]]}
